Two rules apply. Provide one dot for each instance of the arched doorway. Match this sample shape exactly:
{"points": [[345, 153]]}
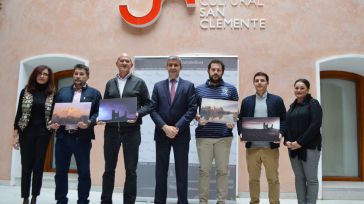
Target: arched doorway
{"points": [[58, 62], [340, 90], [343, 138]]}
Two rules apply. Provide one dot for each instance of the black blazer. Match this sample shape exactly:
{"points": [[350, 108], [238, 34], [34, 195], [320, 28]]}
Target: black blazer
{"points": [[179, 113], [275, 108], [134, 87]]}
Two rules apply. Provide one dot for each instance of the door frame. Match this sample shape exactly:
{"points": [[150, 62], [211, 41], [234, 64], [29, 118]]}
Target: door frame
{"points": [[359, 85]]}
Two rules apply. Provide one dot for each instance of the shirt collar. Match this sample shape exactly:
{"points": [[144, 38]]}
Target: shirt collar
{"points": [[125, 78], [262, 97], [221, 83], [176, 80], [83, 87]]}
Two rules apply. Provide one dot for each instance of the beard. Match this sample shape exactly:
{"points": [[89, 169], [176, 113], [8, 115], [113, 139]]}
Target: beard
{"points": [[214, 80], [79, 82]]}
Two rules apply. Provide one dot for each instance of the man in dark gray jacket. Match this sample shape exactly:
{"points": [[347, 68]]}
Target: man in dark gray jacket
{"points": [[125, 84]]}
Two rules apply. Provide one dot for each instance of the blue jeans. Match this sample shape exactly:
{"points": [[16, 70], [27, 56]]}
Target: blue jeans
{"points": [[66, 146]]}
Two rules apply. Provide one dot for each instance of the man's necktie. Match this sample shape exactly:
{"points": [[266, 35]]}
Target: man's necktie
{"points": [[173, 89]]}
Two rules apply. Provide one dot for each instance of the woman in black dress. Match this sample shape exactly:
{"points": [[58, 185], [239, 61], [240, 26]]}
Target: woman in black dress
{"points": [[31, 130]]}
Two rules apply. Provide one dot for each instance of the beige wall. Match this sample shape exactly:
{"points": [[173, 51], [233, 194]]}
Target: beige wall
{"points": [[298, 33]]}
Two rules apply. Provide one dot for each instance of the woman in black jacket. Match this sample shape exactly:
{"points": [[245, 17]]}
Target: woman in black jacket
{"points": [[303, 138], [31, 130]]}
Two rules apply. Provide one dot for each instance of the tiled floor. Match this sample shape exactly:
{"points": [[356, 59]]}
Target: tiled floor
{"points": [[11, 195]]}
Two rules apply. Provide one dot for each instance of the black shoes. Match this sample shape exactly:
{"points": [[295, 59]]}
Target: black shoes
{"points": [[26, 201], [34, 200]]}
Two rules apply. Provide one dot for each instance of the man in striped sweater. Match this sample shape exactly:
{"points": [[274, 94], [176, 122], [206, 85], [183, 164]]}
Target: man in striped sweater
{"points": [[213, 140]]}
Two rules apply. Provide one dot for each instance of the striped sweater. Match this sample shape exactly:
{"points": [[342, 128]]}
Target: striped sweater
{"points": [[223, 91]]}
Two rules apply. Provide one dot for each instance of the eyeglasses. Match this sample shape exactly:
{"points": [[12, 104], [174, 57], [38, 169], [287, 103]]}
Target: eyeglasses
{"points": [[43, 74]]}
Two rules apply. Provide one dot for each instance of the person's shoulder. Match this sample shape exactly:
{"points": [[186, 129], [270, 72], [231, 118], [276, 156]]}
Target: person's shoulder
{"points": [[228, 85], [64, 89], [249, 97], [274, 96], [314, 101], [159, 83], [23, 90], [201, 86], [90, 88], [136, 78], [185, 81], [111, 80]]}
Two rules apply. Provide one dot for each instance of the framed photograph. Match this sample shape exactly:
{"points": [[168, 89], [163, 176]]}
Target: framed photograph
{"points": [[71, 113], [218, 110], [260, 129], [118, 109]]}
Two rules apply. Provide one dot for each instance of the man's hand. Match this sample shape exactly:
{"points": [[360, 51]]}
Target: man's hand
{"points": [[54, 126], [170, 131], [83, 125], [200, 120], [280, 139], [99, 122], [241, 137], [133, 121], [230, 125]]}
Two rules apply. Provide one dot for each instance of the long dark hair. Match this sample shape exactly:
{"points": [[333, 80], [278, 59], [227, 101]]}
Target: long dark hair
{"points": [[32, 82]]}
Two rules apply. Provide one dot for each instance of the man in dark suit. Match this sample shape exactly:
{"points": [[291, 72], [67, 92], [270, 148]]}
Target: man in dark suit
{"points": [[75, 138], [174, 107]]}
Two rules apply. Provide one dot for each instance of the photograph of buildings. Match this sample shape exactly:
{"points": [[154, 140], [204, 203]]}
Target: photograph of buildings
{"points": [[71, 113], [218, 110], [118, 109]]}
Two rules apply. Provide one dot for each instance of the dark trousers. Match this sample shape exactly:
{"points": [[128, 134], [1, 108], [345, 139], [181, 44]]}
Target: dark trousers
{"points": [[130, 139], [81, 147], [33, 148], [180, 151]]}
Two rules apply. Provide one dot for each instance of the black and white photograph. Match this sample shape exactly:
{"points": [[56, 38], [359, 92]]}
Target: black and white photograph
{"points": [[260, 129]]}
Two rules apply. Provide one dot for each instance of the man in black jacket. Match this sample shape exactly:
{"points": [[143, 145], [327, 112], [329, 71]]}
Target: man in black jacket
{"points": [[263, 104], [75, 139], [125, 84]]}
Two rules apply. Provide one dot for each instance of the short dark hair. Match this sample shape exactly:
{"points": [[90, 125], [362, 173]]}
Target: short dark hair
{"points": [[216, 61], [32, 81], [305, 81], [261, 74], [176, 58], [84, 67]]}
